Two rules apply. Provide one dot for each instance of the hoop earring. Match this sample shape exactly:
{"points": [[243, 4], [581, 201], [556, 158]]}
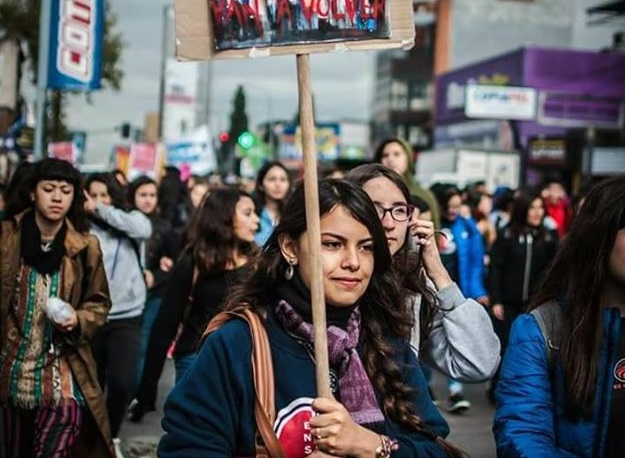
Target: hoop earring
{"points": [[290, 271]]}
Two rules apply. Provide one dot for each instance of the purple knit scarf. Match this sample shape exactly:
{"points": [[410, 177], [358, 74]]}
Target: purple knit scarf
{"points": [[355, 388]]}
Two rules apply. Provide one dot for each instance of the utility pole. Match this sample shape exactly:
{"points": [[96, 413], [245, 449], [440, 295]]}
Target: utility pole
{"points": [[42, 78]]}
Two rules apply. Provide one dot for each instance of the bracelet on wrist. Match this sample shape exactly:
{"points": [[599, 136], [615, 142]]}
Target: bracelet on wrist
{"points": [[386, 447]]}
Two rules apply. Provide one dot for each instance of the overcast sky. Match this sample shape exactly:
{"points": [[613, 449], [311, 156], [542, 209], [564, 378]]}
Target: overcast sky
{"points": [[342, 84]]}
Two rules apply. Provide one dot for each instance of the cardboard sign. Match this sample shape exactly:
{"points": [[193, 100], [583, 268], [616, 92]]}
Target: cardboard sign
{"points": [[207, 29]]}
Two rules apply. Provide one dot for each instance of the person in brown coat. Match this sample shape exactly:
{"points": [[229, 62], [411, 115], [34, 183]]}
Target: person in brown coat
{"points": [[53, 296]]}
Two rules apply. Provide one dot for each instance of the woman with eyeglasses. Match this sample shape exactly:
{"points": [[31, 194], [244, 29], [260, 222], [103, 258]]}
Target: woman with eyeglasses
{"points": [[451, 333]]}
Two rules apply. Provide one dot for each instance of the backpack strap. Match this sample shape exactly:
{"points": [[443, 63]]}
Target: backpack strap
{"points": [[549, 319], [267, 443]]}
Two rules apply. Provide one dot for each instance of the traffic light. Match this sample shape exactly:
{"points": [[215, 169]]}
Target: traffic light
{"points": [[246, 140], [224, 136], [125, 130]]}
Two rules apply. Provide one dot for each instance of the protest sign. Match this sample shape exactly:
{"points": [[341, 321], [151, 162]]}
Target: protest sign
{"points": [[259, 28], [145, 159], [62, 150], [207, 29]]}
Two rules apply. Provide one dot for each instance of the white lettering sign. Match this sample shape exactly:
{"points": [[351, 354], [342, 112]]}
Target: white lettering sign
{"points": [[76, 39], [500, 102]]}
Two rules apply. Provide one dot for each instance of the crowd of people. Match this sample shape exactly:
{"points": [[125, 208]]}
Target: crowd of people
{"points": [[102, 279]]}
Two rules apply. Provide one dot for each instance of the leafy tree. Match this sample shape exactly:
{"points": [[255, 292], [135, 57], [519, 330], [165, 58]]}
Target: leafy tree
{"points": [[19, 19], [238, 125], [238, 117]]}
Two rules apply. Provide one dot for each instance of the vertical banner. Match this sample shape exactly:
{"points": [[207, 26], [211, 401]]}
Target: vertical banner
{"points": [[76, 41], [9, 65], [179, 99]]}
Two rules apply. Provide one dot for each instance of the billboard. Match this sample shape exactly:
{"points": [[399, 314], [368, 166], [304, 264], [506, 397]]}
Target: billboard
{"points": [[76, 42]]}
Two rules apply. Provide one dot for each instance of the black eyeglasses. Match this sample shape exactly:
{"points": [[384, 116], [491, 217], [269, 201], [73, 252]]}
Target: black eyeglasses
{"points": [[399, 213]]}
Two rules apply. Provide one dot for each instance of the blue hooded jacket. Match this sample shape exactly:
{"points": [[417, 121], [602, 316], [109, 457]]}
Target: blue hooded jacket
{"points": [[470, 254], [525, 422]]}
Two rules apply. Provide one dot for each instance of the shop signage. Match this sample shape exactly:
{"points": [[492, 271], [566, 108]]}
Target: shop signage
{"points": [[547, 151], [500, 102]]}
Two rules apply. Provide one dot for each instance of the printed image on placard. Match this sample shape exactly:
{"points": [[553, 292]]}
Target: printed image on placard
{"points": [[248, 23]]}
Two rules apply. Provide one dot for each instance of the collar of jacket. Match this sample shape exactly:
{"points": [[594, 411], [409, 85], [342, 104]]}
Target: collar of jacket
{"points": [[74, 240]]}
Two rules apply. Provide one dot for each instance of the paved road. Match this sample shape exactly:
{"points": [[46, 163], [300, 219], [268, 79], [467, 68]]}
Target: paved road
{"points": [[471, 430]]}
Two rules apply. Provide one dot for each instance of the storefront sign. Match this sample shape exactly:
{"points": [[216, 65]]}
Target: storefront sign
{"points": [[580, 110], [76, 41], [500, 102], [547, 151]]}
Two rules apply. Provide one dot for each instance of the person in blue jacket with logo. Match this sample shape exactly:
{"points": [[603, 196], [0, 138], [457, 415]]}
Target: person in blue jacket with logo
{"points": [[570, 401], [381, 405]]}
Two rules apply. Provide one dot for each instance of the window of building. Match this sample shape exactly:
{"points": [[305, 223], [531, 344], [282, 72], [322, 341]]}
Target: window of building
{"points": [[399, 95]]}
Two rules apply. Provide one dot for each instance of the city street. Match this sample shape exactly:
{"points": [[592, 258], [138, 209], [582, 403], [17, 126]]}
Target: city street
{"points": [[471, 431]]}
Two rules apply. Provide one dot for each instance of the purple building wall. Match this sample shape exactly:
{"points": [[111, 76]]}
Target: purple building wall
{"points": [[576, 88]]}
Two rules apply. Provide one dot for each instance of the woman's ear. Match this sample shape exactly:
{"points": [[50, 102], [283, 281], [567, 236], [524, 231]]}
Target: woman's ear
{"points": [[288, 248]]}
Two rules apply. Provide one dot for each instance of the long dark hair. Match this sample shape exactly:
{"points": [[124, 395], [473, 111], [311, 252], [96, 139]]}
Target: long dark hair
{"points": [[520, 209], [134, 186], [443, 192], [407, 263], [210, 237], [259, 194], [577, 276], [384, 315], [48, 169], [115, 190]]}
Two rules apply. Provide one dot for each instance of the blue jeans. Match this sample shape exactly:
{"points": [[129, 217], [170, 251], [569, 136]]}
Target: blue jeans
{"points": [[149, 316], [182, 363]]}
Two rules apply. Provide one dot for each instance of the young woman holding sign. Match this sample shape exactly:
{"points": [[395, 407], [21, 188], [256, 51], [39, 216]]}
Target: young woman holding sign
{"points": [[381, 404]]}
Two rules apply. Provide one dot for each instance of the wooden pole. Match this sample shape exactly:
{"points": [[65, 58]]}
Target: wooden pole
{"points": [[307, 124]]}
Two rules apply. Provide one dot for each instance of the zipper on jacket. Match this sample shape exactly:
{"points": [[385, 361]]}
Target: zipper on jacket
{"points": [[529, 240]]}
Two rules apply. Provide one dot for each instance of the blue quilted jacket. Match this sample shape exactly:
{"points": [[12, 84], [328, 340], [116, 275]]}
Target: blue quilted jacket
{"points": [[530, 420]]}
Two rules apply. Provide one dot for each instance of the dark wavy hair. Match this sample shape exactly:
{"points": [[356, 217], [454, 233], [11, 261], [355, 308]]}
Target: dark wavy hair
{"points": [[115, 190], [520, 208], [443, 192], [24, 183], [210, 237], [385, 316], [259, 193], [135, 184], [407, 263], [578, 276]]}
